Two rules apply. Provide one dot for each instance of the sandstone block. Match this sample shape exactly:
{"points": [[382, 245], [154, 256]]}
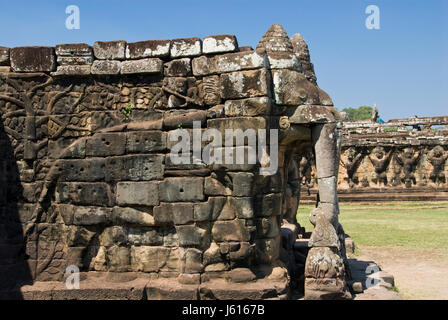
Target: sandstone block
{"points": [[145, 236], [82, 60], [88, 170], [134, 168], [149, 66], [229, 62], [73, 49], [269, 205], [244, 84], [93, 194], [292, 88], [146, 49], [145, 141], [191, 235], [219, 44], [248, 107], [177, 213], [268, 250], [137, 193], [106, 144], [105, 67], [85, 216], [132, 216], [185, 47], [109, 50], [72, 70], [178, 68], [268, 227], [210, 210], [33, 59], [284, 60], [243, 184], [328, 189], [4, 56], [233, 230], [192, 261], [182, 189]]}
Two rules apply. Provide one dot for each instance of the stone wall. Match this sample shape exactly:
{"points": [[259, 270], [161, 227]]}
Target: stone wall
{"points": [[89, 178], [402, 159]]}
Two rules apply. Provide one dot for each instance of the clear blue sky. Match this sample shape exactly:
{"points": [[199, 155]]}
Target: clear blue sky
{"points": [[403, 67]]}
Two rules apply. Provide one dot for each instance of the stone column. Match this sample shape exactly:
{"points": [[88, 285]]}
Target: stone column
{"points": [[325, 269]]}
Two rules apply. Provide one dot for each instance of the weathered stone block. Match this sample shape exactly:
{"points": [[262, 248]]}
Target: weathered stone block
{"points": [[240, 158], [243, 184], [244, 84], [177, 213], [191, 235], [178, 68], [79, 236], [184, 118], [105, 67], [185, 47], [233, 230], [33, 59], [72, 70], [74, 61], [229, 62], [244, 207], [268, 227], [138, 193], [146, 49], [267, 250], [133, 216], [248, 107], [85, 216], [328, 189], [145, 142], [73, 49], [324, 262], [292, 88], [284, 60], [106, 144], [145, 236], [149, 66], [109, 50], [219, 44], [134, 168], [93, 194], [118, 258], [210, 210], [89, 170], [214, 187], [4, 56], [182, 189], [67, 148], [269, 205], [238, 123], [192, 261]]}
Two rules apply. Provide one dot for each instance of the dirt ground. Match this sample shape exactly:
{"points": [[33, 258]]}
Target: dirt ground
{"points": [[419, 274]]}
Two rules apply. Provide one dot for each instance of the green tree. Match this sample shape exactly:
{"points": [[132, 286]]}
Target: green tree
{"points": [[360, 113]]}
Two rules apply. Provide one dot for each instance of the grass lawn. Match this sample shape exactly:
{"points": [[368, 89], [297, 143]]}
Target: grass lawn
{"points": [[409, 225], [407, 239]]}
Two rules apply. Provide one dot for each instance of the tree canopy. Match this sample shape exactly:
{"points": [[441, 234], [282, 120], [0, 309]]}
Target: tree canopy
{"points": [[360, 113]]}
